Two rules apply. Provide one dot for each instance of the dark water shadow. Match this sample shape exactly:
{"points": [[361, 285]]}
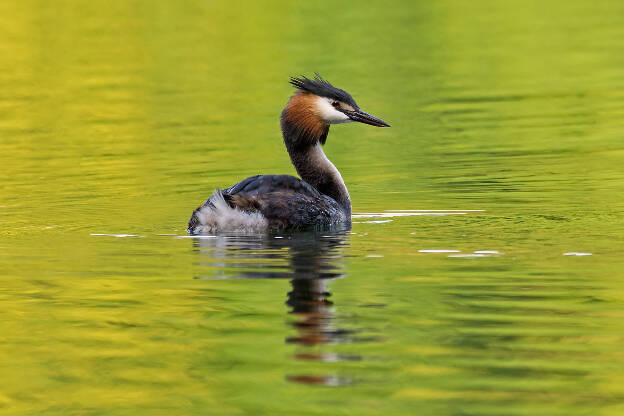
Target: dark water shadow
{"points": [[310, 260]]}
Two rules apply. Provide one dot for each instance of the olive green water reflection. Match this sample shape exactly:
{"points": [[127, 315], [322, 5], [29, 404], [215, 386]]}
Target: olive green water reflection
{"points": [[121, 117]]}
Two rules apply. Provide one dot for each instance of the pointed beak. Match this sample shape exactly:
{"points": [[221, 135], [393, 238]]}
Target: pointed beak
{"points": [[362, 117]]}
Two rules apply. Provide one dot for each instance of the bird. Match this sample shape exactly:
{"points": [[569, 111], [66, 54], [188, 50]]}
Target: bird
{"points": [[317, 200]]}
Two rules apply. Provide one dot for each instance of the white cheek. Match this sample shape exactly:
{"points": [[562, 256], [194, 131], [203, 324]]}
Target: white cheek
{"points": [[329, 113]]}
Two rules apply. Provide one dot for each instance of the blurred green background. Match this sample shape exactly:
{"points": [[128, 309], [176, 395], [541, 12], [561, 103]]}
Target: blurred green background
{"points": [[120, 117]]}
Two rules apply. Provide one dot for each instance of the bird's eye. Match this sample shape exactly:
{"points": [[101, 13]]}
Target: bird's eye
{"points": [[336, 104]]}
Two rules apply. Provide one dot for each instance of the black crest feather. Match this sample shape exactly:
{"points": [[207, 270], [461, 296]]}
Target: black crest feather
{"points": [[320, 87]]}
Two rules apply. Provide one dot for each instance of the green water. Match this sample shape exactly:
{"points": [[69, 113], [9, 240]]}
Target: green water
{"points": [[119, 118]]}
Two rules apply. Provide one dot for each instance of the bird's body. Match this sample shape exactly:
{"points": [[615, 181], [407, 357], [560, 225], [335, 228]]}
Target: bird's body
{"points": [[267, 202], [319, 199]]}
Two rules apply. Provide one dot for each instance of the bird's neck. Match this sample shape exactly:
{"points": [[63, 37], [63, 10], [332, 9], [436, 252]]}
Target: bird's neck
{"points": [[306, 154]]}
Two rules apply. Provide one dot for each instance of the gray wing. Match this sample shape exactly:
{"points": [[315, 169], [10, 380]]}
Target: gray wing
{"points": [[265, 184], [284, 200]]}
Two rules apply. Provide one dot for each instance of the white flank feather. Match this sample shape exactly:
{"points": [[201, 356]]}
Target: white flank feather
{"points": [[222, 217]]}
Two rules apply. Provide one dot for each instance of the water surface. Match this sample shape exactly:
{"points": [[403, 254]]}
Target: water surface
{"points": [[483, 272]]}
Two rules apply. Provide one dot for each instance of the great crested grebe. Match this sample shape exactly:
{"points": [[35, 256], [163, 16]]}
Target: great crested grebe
{"points": [[319, 199]]}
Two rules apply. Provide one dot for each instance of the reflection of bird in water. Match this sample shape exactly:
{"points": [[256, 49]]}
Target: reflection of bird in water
{"points": [[310, 304], [301, 255], [313, 259], [320, 198]]}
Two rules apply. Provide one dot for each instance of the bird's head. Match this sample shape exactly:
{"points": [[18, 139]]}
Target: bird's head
{"points": [[316, 104]]}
